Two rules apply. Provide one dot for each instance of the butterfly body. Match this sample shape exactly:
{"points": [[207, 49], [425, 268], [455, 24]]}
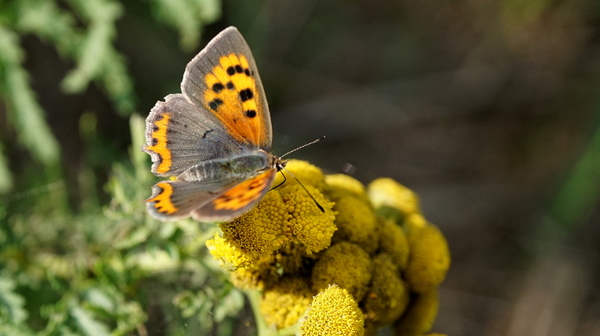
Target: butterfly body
{"points": [[236, 168], [213, 140]]}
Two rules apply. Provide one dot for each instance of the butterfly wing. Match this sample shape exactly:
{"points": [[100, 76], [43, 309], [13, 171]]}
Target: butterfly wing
{"points": [[173, 200], [180, 134], [223, 79], [222, 113], [237, 200], [205, 201]]}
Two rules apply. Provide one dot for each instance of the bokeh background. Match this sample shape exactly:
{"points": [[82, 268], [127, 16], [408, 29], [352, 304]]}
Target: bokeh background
{"points": [[489, 110]]}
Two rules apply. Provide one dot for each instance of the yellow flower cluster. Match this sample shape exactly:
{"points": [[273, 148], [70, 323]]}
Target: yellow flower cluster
{"points": [[333, 301], [370, 247]]}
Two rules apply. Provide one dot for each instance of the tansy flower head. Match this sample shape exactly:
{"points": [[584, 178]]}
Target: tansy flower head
{"points": [[414, 221], [261, 231], [419, 315], [372, 249], [284, 303], [229, 256], [388, 295], [340, 185], [308, 174], [259, 275], [429, 259], [308, 225], [346, 265], [332, 312], [356, 223], [392, 241], [387, 195]]}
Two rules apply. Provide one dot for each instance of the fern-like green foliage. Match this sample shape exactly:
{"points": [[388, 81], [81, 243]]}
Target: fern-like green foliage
{"points": [[83, 32], [106, 271], [187, 16]]}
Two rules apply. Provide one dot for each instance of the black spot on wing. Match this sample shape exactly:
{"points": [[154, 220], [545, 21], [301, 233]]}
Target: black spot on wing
{"points": [[246, 94], [215, 103], [217, 87]]}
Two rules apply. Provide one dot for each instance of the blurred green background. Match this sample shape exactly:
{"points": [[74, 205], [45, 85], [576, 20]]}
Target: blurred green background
{"points": [[489, 110]]}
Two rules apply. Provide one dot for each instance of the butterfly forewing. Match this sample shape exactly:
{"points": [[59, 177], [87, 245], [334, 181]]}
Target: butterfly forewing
{"points": [[179, 135], [223, 78]]}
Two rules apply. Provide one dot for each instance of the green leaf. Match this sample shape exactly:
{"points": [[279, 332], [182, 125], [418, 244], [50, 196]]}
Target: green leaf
{"points": [[15, 330], [25, 112], [11, 304], [87, 324], [91, 57], [99, 299], [45, 19], [188, 17]]}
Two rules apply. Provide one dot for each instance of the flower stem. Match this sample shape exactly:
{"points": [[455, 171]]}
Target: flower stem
{"points": [[261, 325]]}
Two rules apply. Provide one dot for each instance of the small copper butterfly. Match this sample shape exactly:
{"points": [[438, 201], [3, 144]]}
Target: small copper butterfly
{"points": [[213, 140]]}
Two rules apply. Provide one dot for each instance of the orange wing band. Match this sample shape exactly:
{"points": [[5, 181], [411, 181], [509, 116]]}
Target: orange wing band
{"points": [[244, 193], [163, 200], [159, 143]]}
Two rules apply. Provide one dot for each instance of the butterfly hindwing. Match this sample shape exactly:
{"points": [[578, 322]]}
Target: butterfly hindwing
{"points": [[236, 200], [172, 200], [223, 79], [179, 135]]}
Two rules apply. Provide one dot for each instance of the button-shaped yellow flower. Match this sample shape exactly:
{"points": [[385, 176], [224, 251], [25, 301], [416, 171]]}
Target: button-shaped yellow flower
{"points": [[414, 221], [340, 185], [258, 276], [419, 315], [332, 312], [385, 192], [392, 240], [356, 223], [262, 230], [429, 258], [388, 295], [286, 301], [346, 265], [308, 225], [228, 256]]}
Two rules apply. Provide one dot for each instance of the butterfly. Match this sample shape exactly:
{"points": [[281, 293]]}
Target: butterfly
{"points": [[213, 140]]}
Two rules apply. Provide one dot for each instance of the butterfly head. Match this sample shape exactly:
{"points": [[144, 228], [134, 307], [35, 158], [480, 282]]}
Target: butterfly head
{"points": [[279, 164]]}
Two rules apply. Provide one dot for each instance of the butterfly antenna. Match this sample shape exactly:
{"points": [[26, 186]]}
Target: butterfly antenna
{"points": [[302, 185], [284, 179], [308, 144]]}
